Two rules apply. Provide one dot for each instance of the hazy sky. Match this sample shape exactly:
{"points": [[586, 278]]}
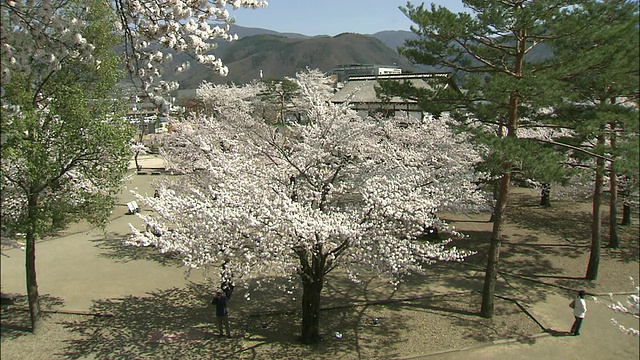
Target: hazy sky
{"points": [[332, 17]]}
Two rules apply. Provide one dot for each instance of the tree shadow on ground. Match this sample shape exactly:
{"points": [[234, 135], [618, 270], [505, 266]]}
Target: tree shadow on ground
{"points": [[390, 329], [170, 324], [572, 227], [178, 323], [566, 221], [509, 320], [526, 257], [344, 335], [113, 247], [15, 320], [629, 249]]}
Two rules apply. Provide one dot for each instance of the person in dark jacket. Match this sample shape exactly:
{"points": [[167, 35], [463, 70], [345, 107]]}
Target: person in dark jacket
{"points": [[222, 315]]}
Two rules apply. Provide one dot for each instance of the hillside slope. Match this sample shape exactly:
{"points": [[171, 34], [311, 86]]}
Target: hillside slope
{"points": [[279, 56]]}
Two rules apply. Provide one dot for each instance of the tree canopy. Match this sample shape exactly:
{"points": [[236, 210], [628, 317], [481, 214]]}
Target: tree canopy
{"points": [[337, 192], [63, 155]]}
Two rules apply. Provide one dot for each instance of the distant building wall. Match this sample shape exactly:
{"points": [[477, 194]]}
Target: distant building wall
{"points": [[343, 72]]}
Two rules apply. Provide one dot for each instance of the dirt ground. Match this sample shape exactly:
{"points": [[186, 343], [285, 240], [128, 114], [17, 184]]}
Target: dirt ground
{"points": [[426, 314]]}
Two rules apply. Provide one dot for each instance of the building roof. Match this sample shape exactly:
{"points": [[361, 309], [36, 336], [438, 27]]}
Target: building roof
{"points": [[361, 89]]}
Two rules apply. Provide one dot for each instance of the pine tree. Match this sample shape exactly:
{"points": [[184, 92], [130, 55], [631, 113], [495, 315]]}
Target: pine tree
{"points": [[493, 49], [601, 92]]}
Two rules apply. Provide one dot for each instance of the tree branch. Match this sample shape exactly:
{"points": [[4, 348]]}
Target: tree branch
{"points": [[573, 148]]}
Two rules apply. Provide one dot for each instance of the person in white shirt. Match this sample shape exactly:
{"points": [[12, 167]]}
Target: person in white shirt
{"points": [[579, 311]]}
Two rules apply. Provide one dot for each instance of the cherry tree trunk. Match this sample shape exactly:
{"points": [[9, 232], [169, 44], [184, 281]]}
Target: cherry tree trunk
{"points": [[30, 266], [312, 271], [596, 240], [491, 273], [311, 290]]}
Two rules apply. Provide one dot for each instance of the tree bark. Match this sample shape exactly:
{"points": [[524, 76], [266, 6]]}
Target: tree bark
{"points": [[311, 310], [30, 265], [493, 261], [613, 211], [312, 274], [596, 226], [493, 258], [135, 158], [626, 214], [613, 193], [495, 192]]}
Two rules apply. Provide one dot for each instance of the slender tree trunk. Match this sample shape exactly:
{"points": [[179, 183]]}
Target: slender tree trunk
{"points": [[135, 158], [596, 226], [613, 193], [493, 261], [30, 265], [613, 211], [626, 214], [496, 191]]}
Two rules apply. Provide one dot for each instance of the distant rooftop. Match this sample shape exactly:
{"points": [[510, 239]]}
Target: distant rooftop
{"points": [[361, 89], [345, 72]]}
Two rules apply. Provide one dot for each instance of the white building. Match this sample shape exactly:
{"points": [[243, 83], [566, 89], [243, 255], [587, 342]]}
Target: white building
{"points": [[344, 72]]}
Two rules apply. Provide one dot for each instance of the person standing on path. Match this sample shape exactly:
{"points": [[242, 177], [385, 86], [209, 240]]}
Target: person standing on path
{"points": [[579, 306], [222, 315]]}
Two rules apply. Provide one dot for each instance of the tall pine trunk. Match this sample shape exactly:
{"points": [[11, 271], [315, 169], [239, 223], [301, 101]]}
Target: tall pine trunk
{"points": [[596, 226], [493, 261], [30, 264], [493, 258], [613, 211], [613, 194]]}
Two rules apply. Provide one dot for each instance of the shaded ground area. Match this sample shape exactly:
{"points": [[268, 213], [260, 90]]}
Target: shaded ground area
{"points": [[148, 309], [394, 329], [176, 323], [553, 244]]}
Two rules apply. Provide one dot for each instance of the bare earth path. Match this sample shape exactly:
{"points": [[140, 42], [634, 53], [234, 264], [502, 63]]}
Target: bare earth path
{"points": [[155, 312]]}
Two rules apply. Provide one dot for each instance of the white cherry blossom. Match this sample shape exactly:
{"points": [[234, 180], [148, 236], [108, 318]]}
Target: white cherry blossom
{"points": [[339, 191]]}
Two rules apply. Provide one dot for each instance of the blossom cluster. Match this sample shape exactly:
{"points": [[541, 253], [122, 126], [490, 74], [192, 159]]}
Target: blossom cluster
{"points": [[37, 36], [632, 307]]}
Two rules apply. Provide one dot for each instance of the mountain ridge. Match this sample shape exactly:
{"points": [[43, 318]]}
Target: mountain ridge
{"points": [[283, 54], [276, 55]]}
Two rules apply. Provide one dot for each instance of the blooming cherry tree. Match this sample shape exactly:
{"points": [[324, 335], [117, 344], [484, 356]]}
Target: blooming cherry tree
{"points": [[62, 155], [38, 36], [302, 200]]}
